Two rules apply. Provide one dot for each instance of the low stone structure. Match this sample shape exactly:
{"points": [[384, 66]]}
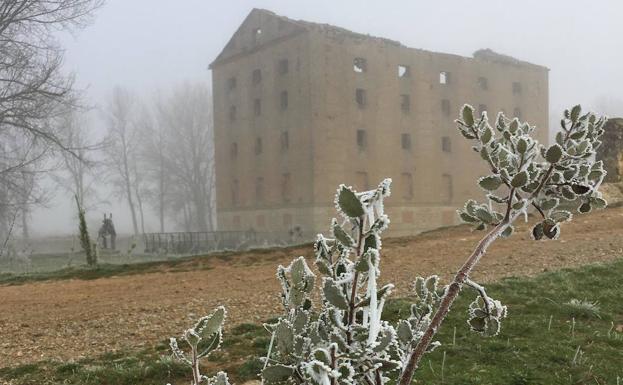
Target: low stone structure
{"points": [[611, 151]]}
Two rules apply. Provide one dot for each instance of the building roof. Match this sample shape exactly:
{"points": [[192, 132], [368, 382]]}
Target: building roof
{"points": [[298, 26]]}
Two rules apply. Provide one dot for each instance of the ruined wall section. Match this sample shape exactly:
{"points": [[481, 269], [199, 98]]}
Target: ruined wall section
{"points": [[611, 150], [435, 172], [262, 134]]}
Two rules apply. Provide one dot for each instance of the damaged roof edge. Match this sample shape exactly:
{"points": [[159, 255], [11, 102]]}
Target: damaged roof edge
{"points": [[485, 54], [490, 55]]}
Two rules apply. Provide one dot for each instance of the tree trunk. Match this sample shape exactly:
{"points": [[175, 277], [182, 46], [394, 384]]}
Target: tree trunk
{"points": [[25, 226]]}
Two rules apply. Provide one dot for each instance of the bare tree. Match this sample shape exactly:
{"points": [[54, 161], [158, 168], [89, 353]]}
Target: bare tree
{"points": [[33, 91], [75, 174], [32, 86], [186, 118], [121, 149], [153, 155]]}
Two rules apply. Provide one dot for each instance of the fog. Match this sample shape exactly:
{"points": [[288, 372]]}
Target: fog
{"points": [[146, 45]]}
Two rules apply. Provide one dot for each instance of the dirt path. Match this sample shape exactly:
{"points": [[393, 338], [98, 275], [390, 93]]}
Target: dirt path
{"points": [[71, 319]]}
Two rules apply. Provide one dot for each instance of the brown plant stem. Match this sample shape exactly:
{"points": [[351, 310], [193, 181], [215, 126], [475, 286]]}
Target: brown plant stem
{"points": [[450, 295]]}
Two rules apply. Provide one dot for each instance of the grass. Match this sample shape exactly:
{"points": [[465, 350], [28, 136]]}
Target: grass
{"points": [[543, 341]]}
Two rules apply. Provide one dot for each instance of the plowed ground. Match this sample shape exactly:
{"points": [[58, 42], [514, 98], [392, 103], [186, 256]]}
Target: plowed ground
{"points": [[76, 318]]}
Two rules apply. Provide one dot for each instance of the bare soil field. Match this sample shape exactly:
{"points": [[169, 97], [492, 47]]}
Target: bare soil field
{"points": [[71, 319]]}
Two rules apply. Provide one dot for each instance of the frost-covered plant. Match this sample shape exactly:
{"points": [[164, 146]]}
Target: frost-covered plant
{"points": [[582, 308], [343, 339], [523, 175], [201, 340]]}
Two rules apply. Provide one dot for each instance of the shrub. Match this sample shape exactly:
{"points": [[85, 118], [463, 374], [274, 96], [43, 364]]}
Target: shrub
{"points": [[344, 340], [85, 239]]}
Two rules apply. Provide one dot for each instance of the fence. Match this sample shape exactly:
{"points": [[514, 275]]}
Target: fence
{"points": [[195, 242]]}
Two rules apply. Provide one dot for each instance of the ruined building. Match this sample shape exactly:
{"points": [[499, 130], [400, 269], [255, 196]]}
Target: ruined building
{"points": [[611, 150], [301, 107]]}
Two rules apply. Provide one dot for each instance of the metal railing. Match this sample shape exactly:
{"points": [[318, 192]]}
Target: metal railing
{"points": [[198, 241]]}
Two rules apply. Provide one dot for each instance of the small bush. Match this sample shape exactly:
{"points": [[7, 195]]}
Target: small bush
{"points": [[582, 308]]}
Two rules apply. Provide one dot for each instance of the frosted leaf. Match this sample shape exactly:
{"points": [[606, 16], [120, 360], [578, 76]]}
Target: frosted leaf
{"points": [[212, 323], [334, 295], [468, 114], [490, 182], [277, 373], [347, 203], [341, 235], [177, 352]]}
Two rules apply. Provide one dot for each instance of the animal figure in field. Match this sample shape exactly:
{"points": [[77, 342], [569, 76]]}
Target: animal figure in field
{"points": [[106, 232]]}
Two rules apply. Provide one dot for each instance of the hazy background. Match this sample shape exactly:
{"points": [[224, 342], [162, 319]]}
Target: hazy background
{"points": [[147, 45]]}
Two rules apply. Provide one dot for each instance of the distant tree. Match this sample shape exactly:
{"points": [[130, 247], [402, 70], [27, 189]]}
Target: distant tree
{"points": [[33, 90], [609, 105], [121, 149], [186, 150], [154, 161], [75, 173]]}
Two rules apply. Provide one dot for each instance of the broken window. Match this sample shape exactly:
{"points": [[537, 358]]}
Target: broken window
{"points": [[235, 199], [285, 141], [258, 146], [233, 150], [405, 141], [482, 108], [405, 103], [232, 113], [286, 187], [257, 107], [517, 113], [231, 83], [259, 189], [284, 100], [256, 76], [403, 71], [444, 77], [362, 141], [257, 34], [516, 88], [360, 97], [445, 107], [446, 145], [483, 83], [283, 66], [406, 181], [360, 65], [361, 179], [446, 188]]}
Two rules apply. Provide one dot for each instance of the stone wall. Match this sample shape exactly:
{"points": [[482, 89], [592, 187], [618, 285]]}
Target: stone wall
{"points": [[358, 109], [611, 150]]}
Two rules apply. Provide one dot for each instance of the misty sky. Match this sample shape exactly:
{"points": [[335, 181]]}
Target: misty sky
{"points": [[153, 44]]}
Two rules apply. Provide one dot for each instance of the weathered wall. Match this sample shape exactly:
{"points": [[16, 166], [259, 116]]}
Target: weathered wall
{"points": [[247, 207], [611, 150], [441, 180], [322, 119]]}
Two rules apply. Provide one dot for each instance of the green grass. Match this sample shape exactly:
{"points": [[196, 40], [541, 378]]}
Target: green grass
{"points": [[543, 341]]}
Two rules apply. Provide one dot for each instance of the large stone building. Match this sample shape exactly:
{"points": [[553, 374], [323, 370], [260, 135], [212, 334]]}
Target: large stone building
{"points": [[301, 107]]}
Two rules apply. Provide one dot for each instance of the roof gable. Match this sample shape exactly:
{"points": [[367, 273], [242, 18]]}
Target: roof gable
{"points": [[259, 28]]}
